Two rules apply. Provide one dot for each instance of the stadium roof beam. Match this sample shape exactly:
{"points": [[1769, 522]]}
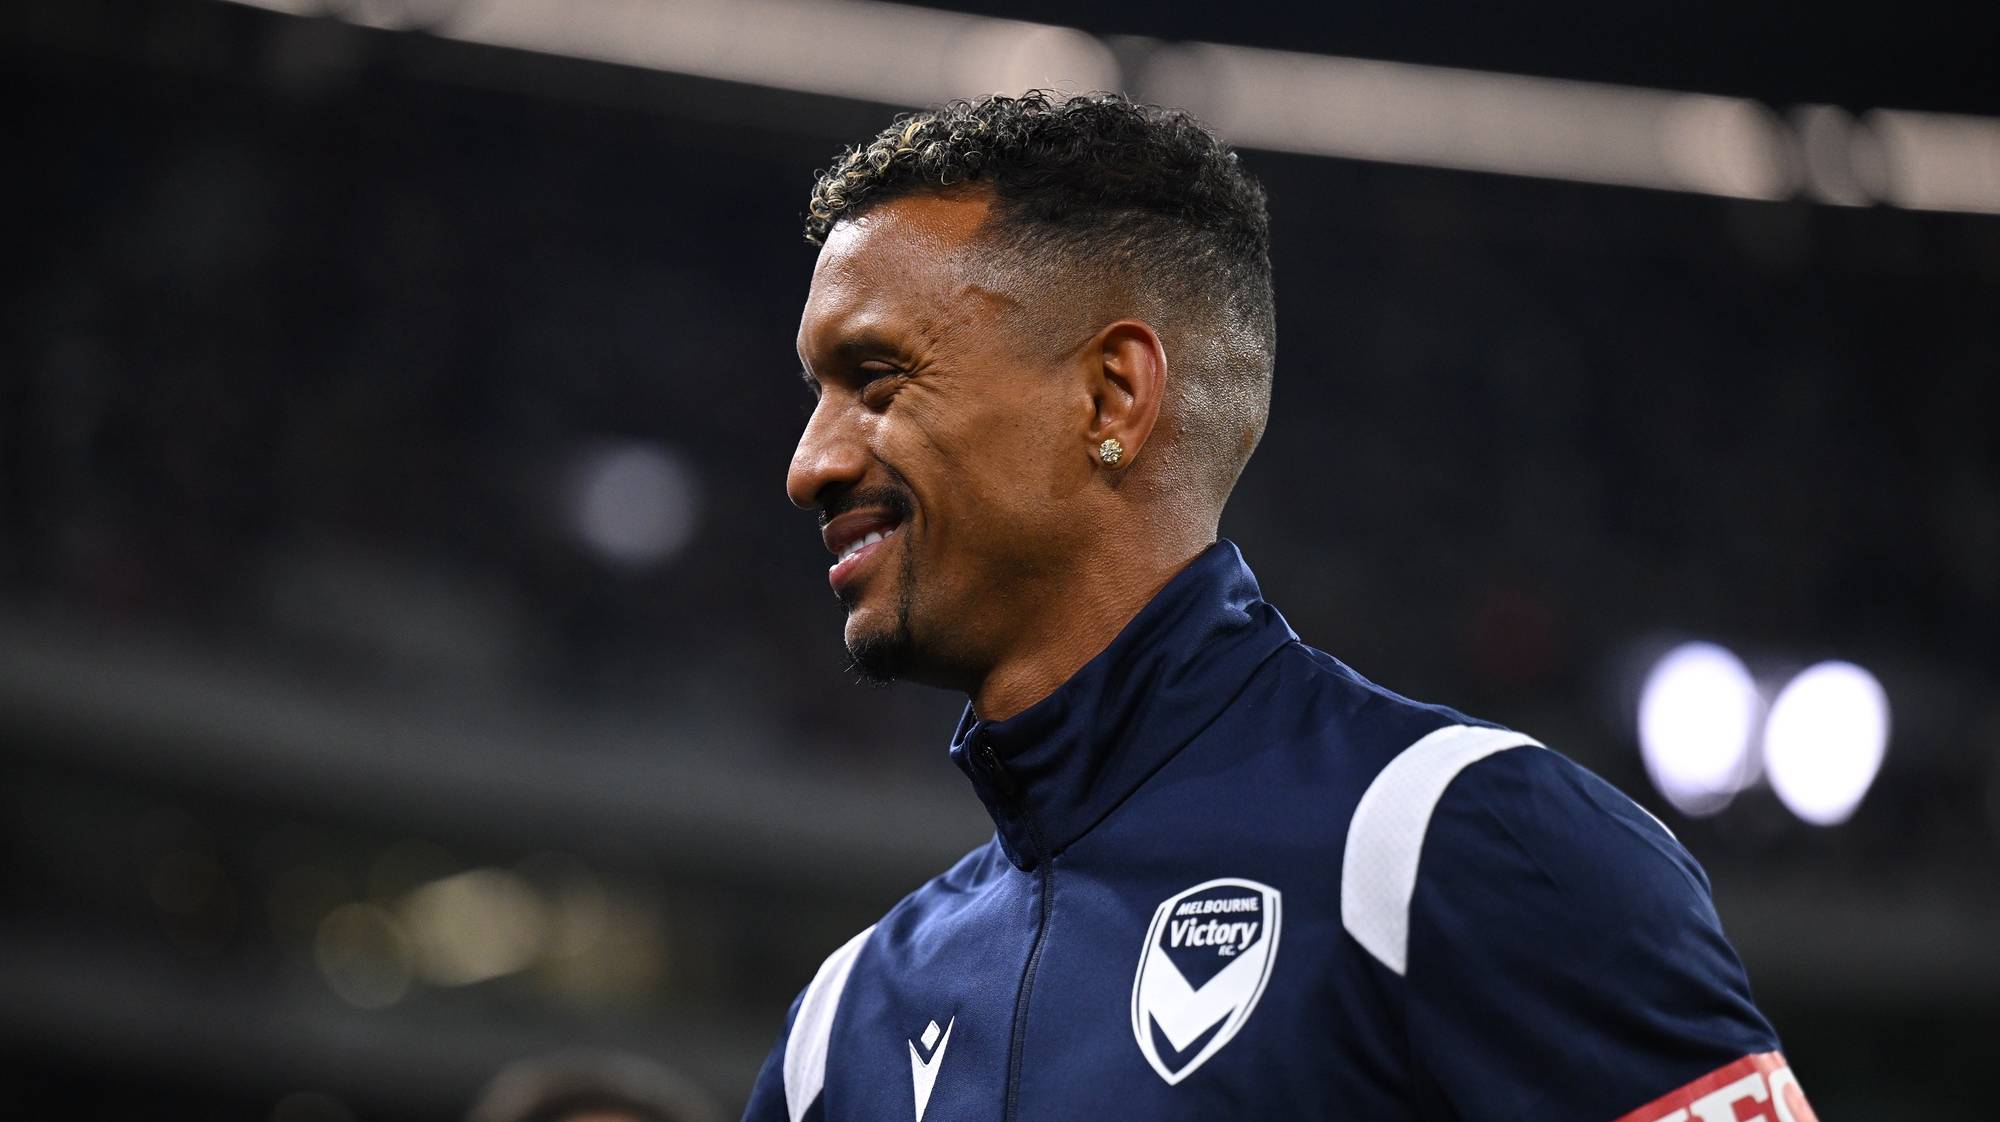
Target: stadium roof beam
{"points": [[1283, 101]]}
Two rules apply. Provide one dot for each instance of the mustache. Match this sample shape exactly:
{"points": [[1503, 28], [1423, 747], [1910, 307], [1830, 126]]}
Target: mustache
{"points": [[895, 500]]}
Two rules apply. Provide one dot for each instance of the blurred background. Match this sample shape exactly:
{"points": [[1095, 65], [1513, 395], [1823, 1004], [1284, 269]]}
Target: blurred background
{"points": [[409, 663]]}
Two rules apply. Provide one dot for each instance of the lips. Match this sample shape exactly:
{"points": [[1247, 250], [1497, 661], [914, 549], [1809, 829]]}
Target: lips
{"points": [[853, 537], [848, 532]]}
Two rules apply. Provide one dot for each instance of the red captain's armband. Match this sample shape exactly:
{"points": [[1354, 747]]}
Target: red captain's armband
{"points": [[1758, 1088]]}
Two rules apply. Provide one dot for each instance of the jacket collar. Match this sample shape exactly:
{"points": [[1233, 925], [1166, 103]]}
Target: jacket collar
{"points": [[1050, 773]]}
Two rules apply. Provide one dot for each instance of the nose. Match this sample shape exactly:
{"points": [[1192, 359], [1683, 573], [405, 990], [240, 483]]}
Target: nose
{"points": [[831, 453]]}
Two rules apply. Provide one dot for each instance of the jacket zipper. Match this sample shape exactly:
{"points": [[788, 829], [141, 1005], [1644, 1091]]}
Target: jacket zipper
{"points": [[1045, 876]]}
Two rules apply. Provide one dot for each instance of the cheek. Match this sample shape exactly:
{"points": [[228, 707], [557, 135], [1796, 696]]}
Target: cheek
{"points": [[1009, 473], [992, 471]]}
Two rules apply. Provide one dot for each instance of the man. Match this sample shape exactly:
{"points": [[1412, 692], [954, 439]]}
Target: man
{"points": [[1230, 877]]}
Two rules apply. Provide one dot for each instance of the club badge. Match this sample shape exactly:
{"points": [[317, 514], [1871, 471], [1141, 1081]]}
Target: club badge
{"points": [[1207, 955]]}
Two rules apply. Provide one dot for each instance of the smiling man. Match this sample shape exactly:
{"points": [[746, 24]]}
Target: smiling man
{"points": [[1230, 877]]}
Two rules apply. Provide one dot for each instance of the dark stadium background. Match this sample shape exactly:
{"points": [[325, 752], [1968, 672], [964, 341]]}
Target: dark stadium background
{"points": [[312, 330]]}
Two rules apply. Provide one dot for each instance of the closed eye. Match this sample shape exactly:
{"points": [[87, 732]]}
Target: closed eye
{"points": [[879, 386]]}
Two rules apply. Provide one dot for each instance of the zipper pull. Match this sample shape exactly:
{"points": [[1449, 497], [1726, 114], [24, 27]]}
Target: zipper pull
{"points": [[989, 762]]}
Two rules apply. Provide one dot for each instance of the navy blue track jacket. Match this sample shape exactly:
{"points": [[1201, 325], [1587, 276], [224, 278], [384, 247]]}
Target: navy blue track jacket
{"points": [[1232, 879]]}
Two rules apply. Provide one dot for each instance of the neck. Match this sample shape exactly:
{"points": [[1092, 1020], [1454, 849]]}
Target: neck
{"points": [[1077, 627]]}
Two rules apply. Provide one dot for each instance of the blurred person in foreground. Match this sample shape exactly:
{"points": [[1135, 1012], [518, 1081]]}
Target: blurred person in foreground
{"points": [[1040, 337], [589, 1087]]}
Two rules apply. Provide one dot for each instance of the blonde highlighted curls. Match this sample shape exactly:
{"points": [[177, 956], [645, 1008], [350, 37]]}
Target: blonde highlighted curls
{"points": [[1128, 187], [940, 147]]}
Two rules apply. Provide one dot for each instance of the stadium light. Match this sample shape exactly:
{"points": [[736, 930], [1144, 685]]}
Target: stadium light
{"points": [[1698, 715], [1825, 739]]}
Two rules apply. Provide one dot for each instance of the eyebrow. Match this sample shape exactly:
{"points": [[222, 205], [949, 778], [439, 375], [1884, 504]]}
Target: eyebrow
{"points": [[864, 345]]}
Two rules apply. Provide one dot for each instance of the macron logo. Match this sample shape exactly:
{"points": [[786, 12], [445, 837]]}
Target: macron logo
{"points": [[923, 1072]]}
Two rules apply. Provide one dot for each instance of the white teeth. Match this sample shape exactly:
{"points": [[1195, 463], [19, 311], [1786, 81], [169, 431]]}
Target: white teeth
{"points": [[867, 539]]}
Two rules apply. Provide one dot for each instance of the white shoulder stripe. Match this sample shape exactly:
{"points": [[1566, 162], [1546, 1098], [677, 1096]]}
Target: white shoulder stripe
{"points": [[1378, 872], [805, 1048]]}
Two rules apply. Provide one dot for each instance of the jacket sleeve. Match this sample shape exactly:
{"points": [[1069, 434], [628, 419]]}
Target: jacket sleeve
{"points": [[767, 1097], [1565, 961], [791, 1087]]}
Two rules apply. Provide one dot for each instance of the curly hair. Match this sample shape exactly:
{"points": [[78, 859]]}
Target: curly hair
{"points": [[1135, 197]]}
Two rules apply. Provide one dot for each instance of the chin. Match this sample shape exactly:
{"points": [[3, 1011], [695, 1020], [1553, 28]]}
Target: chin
{"points": [[878, 656], [881, 643]]}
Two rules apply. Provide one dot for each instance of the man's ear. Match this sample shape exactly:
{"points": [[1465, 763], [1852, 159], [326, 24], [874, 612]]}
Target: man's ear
{"points": [[1128, 384]]}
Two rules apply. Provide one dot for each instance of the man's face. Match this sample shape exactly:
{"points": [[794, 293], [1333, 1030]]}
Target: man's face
{"points": [[941, 429]]}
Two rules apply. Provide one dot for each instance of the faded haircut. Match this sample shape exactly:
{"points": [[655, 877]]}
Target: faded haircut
{"points": [[1143, 202]]}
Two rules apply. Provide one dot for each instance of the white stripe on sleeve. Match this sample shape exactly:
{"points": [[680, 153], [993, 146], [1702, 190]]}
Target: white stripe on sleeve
{"points": [[1378, 872], [805, 1048]]}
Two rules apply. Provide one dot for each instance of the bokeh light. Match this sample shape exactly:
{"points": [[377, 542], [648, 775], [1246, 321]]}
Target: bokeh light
{"points": [[1825, 740], [1698, 715], [474, 925], [364, 956], [635, 504]]}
